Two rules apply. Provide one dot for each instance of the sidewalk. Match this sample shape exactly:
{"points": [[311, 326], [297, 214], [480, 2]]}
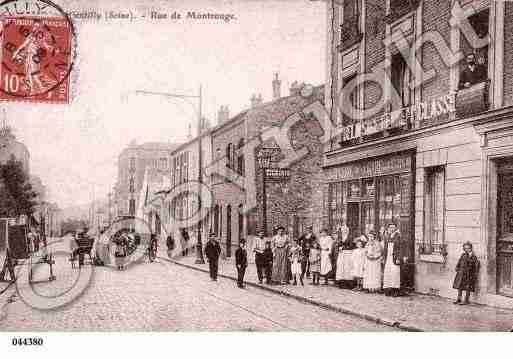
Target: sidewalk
{"points": [[414, 313]]}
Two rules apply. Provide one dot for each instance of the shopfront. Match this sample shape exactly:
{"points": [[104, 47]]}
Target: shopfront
{"points": [[369, 194]]}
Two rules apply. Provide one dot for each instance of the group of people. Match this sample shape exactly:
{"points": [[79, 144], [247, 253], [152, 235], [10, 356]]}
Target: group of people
{"points": [[371, 262]]}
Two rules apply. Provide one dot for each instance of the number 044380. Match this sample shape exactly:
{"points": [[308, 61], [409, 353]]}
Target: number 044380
{"points": [[33, 341]]}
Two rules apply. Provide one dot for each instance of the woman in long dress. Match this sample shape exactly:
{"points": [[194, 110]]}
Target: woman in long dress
{"points": [[372, 265], [393, 261], [344, 276], [325, 242], [280, 245]]}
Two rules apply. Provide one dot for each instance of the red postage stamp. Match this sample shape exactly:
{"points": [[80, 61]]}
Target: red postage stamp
{"points": [[36, 59]]}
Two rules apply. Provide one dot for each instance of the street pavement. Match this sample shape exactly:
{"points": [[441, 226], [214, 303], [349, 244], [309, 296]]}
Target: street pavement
{"points": [[162, 296], [415, 312]]}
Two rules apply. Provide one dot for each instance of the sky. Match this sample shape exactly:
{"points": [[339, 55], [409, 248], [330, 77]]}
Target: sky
{"points": [[74, 148]]}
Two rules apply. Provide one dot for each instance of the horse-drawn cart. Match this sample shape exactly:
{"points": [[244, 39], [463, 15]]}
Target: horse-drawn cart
{"points": [[18, 251]]}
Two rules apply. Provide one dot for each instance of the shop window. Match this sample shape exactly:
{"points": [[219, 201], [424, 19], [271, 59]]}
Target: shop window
{"points": [[474, 68], [434, 210], [401, 81], [368, 216], [368, 187], [336, 205], [389, 200], [354, 190]]}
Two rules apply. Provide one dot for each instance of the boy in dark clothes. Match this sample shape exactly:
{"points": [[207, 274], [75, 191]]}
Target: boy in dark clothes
{"points": [[466, 274], [241, 262], [268, 260]]}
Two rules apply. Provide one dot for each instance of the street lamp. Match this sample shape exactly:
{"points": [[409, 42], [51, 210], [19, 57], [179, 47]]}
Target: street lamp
{"points": [[199, 245], [264, 158]]}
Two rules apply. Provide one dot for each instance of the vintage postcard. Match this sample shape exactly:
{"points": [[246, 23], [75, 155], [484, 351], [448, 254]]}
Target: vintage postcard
{"points": [[255, 165]]}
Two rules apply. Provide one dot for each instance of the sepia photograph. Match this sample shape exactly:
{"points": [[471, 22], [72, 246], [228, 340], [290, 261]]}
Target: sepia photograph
{"points": [[235, 166]]}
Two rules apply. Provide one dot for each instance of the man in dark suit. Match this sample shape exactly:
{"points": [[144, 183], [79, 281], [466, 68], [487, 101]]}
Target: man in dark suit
{"points": [[241, 262], [473, 73], [306, 242], [212, 251]]}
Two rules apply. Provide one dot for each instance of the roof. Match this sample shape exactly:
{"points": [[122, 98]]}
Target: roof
{"points": [[287, 106]]}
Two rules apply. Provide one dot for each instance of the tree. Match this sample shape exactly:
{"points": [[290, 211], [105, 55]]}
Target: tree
{"points": [[16, 194]]}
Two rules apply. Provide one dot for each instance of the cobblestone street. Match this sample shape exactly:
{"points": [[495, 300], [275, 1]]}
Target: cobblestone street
{"points": [[167, 297]]}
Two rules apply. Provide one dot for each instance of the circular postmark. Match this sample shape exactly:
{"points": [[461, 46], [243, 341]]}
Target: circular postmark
{"points": [[38, 49]]}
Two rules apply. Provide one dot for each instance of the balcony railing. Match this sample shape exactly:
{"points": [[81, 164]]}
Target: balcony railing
{"points": [[399, 8], [473, 100], [350, 33]]}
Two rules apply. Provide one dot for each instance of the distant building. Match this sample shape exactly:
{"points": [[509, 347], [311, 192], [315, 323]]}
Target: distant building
{"points": [[10, 147], [132, 164]]}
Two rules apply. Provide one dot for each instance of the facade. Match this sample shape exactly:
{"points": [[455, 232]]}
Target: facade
{"points": [[429, 150], [283, 196], [169, 197], [132, 164]]}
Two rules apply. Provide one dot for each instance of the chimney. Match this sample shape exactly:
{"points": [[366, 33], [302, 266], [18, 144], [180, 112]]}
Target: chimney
{"points": [[256, 100], [295, 88], [223, 114], [276, 87]]}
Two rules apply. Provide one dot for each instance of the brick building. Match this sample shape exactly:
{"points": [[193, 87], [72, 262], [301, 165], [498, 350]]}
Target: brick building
{"points": [[132, 164], [418, 142], [290, 197]]}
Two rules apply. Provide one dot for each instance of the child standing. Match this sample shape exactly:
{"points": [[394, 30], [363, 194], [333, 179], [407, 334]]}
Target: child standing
{"points": [[466, 274], [358, 263], [268, 262], [295, 261], [315, 262]]}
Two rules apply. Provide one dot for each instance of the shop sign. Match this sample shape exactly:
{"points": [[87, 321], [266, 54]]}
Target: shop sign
{"points": [[390, 120], [371, 168], [277, 173]]}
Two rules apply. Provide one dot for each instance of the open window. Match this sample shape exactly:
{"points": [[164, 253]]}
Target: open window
{"points": [[474, 68], [401, 81]]}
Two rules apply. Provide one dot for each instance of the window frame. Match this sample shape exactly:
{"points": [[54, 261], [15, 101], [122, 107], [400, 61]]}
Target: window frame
{"points": [[432, 209]]}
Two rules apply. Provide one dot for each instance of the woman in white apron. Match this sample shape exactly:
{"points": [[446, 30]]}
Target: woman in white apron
{"points": [[325, 243], [393, 260]]}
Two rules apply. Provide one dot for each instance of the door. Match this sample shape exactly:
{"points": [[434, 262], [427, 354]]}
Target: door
{"points": [[505, 229], [241, 222], [353, 219], [229, 231]]}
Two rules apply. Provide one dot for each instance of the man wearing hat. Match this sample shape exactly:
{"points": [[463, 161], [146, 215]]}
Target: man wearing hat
{"points": [[241, 262], [306, 242], [212, 251]]}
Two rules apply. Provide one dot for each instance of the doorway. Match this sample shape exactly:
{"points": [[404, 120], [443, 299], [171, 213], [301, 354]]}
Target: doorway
{"points": [[353, 219], [229, 231], [505, 228]]}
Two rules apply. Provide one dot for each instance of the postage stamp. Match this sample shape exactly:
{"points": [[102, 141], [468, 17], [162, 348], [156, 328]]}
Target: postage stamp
{"points": [[36, 58]]}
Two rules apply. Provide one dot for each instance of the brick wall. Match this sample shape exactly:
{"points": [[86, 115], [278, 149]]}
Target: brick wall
{"points": [[436, 15], [304, 133]]}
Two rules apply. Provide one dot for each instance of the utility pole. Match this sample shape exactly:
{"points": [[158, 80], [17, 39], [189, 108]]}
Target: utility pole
{"points": [[199, 97]]}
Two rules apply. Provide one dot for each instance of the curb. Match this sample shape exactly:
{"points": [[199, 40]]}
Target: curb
{"points": [[370, 317]]}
